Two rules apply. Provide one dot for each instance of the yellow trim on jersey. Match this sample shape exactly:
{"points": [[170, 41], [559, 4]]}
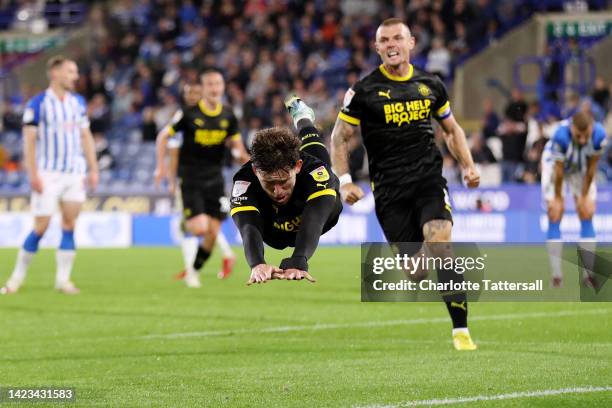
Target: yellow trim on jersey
{"points": [[236, 136], [312, 143], [395, 77], [349, 119], [171, 131], [208, 112], [327, 191], [443, 108], [448, 208], [240, 209]]}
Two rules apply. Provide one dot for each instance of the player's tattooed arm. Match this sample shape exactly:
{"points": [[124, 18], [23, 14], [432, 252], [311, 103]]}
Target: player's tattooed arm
{"points": [[342, 134], [457, 145]]}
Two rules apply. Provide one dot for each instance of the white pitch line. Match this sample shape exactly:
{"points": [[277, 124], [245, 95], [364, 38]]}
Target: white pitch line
{"points": [[512, 395], [330, 326]]}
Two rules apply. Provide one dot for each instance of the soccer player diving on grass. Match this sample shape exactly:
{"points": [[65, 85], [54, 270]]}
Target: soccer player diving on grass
{"points": [[285, 196]]}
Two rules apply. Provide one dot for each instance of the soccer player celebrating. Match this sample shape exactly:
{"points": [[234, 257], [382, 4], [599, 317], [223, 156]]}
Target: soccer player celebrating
{"points": [[572, 155], [189, 244], [286, 196], [208, 129], [57, 146], [394, 105]]}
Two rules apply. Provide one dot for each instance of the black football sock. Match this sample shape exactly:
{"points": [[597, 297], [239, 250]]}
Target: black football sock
{"points": [[456, 302], [312, 142], [200, 258]]}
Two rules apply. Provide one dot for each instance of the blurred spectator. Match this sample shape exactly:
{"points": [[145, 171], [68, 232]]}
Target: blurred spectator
{"points": [[601, 93], [103, 154], [513, 133], [148, 127], [438, 59], [480, 151], [490, 122]]}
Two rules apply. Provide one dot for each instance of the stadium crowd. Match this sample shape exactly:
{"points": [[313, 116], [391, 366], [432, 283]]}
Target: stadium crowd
{"points": [[145, 51]]}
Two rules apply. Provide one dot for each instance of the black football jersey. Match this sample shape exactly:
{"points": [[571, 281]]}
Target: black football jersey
{"points": [[205, 133], [395, 118], [281, 223]]}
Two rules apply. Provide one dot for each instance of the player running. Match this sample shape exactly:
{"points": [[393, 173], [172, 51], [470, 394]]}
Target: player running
{"points": [[393, 105], [189, 244], [208, 129], [286, 196], [570, 158], [57, 146]]}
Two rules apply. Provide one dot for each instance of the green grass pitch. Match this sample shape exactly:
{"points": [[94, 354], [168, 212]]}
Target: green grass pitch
{"points": [[134, 337]]}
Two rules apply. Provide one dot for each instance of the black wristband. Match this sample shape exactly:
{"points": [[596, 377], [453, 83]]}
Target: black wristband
{"points": [[295, 262]]}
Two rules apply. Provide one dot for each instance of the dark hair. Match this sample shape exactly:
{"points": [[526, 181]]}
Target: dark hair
{"points": [[275, 149], [56, 61], [582, 120], [210, 70]]}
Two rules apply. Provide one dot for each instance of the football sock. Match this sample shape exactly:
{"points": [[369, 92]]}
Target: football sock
{"points": [[24, 257], [456, 302], [312, 142], [200, 258], [554, 245], [224, 245], [189, 248], [64, 258]]}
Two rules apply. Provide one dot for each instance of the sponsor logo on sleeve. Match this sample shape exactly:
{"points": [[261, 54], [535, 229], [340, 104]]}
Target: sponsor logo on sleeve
{"points": [[240, 187]]}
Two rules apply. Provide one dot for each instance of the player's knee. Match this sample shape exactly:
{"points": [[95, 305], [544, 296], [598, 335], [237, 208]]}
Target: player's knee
{"points": [[554, 216], [41, 225], [197, 226], [586, 211]]}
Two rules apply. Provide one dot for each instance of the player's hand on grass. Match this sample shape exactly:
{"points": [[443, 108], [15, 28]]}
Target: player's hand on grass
{"points": [[555, 208], [36, 183], [296, 274], [351, 193], [262, 273], [471, 176], [93, 177]]}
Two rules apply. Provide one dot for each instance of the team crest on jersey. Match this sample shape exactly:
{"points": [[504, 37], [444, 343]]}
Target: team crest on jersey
{"points": [[424, 90], [348, 97], [224, 123], [198, 122], [320, 174], [240, 187]]}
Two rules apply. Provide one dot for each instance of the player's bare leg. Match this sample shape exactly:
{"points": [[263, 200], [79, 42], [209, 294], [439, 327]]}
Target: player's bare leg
{"points": [[554, 244], [67, 250], [585, 207], [229, 259], [25, 255], [437, 237]]}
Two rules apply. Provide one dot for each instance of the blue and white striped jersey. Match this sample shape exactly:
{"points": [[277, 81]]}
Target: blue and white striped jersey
{"points": [[59, 123], [561, 147]]}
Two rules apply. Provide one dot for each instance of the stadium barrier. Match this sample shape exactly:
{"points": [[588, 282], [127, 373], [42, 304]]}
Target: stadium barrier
{"points": [[502, 214]]}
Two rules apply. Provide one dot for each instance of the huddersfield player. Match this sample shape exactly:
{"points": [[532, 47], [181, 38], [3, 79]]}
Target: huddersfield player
{"points": [[208, 129], [286, 196], [57, 146], [570, 158], [394, 105], [192, 94]]}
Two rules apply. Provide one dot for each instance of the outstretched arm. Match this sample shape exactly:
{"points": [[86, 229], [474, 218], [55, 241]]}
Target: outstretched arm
{"points": [[457, 145], [315, 215]]}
